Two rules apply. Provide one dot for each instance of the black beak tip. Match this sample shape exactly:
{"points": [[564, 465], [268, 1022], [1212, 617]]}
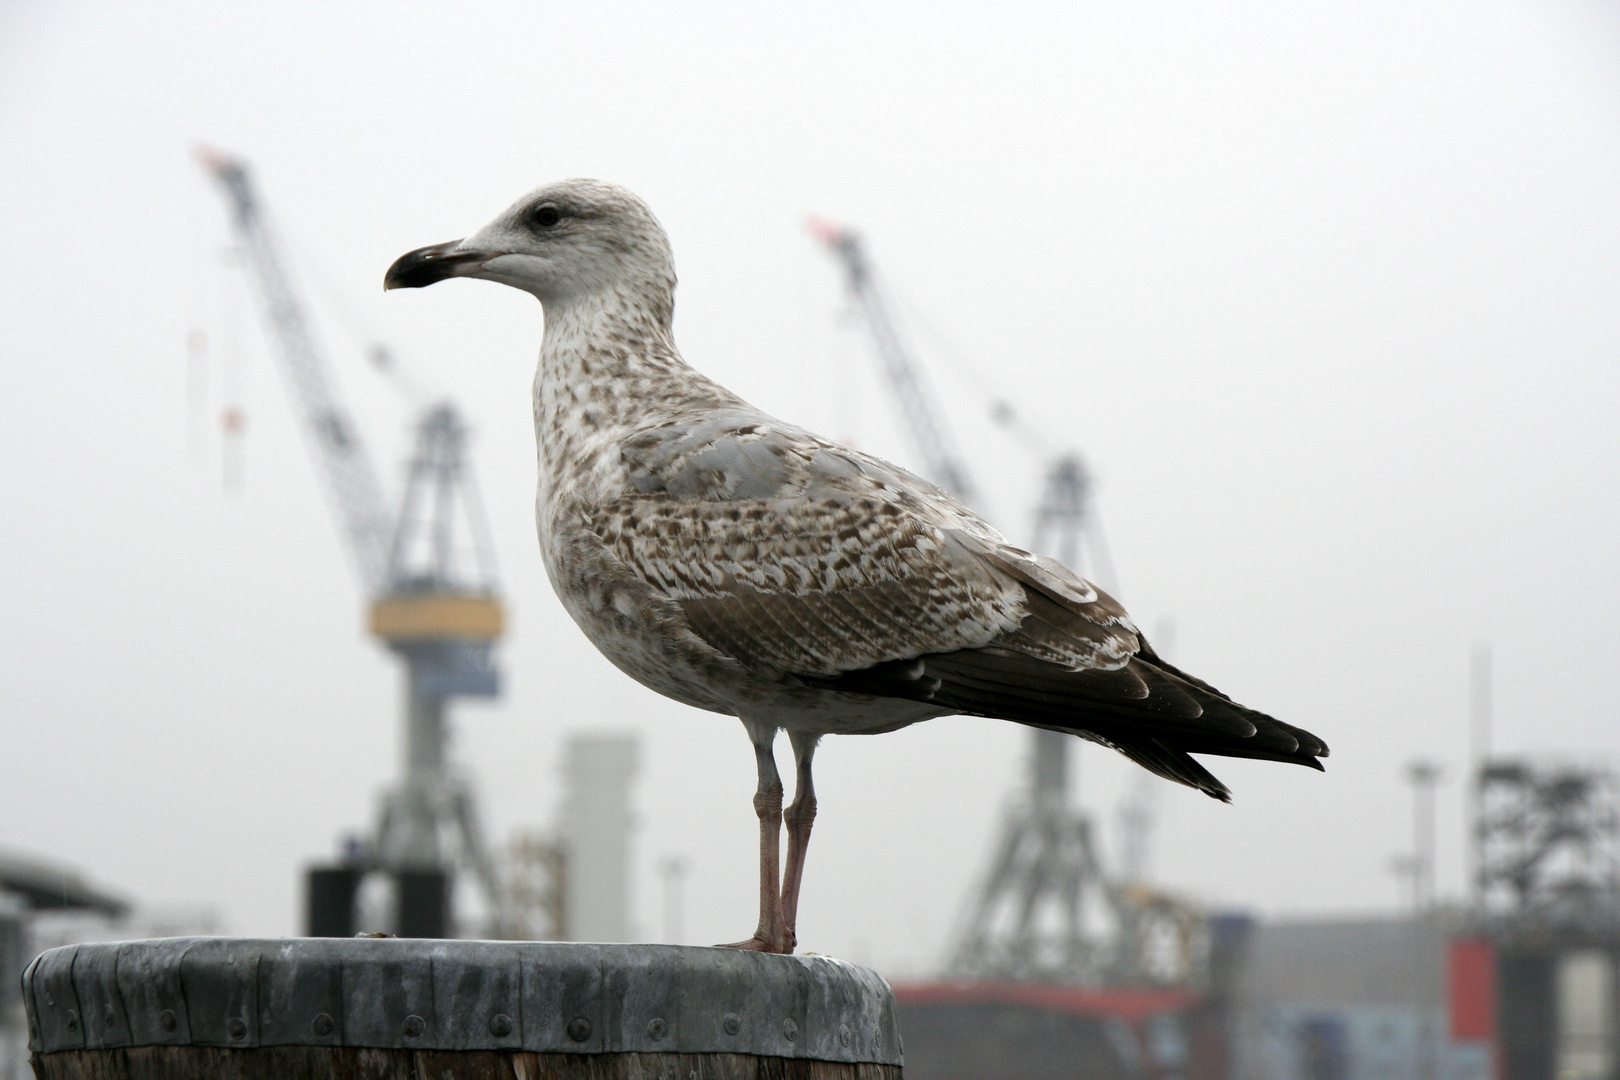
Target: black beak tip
{"points": [[406, 273], [424, 266]]}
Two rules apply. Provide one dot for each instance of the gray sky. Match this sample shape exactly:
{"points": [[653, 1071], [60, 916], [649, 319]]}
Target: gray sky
{"points": [[1325, 293]]}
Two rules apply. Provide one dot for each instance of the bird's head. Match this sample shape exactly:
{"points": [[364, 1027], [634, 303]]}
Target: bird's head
{"points": [[565, 241]]}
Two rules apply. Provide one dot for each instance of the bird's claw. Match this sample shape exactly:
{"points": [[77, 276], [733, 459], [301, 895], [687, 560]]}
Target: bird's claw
{"points": [[757, 943]]}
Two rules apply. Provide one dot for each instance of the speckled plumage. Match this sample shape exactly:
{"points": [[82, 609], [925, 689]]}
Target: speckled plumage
{"points": [[746, 566]]}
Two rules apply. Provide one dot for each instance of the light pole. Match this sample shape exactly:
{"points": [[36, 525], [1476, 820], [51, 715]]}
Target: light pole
{"points": [[1424, 775], [1479, 725]]}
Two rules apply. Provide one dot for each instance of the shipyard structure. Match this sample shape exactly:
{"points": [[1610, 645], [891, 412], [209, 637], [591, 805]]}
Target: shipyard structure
{"points": [[1086, 975]]}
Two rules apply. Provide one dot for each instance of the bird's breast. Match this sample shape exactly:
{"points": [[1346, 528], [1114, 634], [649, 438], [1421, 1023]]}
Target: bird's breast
{"points": [[642, 633]]}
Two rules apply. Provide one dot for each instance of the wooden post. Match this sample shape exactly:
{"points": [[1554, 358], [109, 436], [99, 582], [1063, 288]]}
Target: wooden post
{"points": [[403, 1009]]}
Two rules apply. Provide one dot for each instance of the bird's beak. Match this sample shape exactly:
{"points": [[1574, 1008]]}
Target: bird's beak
{"points": [[424, 266]]}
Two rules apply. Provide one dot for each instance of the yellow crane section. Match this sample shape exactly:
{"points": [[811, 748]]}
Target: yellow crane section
{"points": [[437, 615]]}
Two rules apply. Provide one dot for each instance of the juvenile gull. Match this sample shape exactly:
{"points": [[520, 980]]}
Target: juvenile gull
{"points": [[745, 566]]}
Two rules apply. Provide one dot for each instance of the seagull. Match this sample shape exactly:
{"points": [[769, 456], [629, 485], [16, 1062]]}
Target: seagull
{"points": [[745, 566]]}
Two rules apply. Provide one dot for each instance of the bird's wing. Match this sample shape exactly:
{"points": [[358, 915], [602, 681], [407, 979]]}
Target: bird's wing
{"points": [[811, 562], [801, 558], [812, 587], [741, 453], [1143, 707]]}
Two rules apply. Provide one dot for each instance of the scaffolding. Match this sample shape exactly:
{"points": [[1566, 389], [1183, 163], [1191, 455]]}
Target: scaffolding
{"points": [[1548, 845]]}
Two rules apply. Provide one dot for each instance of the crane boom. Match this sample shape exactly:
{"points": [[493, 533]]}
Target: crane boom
{"points": [[942, 460], [441, 624], [350, 475]]}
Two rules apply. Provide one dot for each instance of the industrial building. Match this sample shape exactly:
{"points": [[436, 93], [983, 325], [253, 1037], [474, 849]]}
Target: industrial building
{"points": [[1521, 985], [1353, 998]]}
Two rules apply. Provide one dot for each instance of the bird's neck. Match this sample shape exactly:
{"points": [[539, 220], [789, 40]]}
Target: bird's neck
{"points": [[608, 368], [601, 331]]}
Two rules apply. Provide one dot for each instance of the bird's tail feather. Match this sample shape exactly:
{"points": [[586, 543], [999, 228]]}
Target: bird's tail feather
{"points": [[1172, 763], [1150, 711]]}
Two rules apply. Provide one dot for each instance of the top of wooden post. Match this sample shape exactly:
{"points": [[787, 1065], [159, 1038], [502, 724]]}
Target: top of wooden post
{"points": [[457, 995]]}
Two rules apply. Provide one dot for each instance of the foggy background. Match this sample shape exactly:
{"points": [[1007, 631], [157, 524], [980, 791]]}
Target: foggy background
{"points": [[1326, 295]]}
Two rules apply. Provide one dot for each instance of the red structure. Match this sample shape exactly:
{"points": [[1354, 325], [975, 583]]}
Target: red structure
{"points": [[1471, 988]]}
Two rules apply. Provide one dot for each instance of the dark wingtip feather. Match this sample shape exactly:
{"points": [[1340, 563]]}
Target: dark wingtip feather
{"points": [[1162, 758], [1180, 715]]}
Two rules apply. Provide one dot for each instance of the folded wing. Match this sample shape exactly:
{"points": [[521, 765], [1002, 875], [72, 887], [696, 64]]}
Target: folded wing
{"points": [[816, 565]]}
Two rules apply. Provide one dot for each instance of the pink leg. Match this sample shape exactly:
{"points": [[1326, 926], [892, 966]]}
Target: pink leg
{"points": [[771, 934], [799, 817]]}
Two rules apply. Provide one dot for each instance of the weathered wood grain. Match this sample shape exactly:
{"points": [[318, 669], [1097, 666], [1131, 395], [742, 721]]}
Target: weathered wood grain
{"points": [[349, 1063]]}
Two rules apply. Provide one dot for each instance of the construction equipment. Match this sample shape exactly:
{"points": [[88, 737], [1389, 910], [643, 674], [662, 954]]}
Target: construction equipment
{"points": [[438, 615], [1549, 845], [1065, 526], [1030, 919], [942, 459], [1062, 518]]}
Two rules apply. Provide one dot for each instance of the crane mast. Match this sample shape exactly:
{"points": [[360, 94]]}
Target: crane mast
{"points": [[1060, 517], [440, 622]]}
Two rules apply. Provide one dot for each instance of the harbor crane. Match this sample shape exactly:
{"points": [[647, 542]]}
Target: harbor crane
{"points": [[1045, 862], [438, 615], [1062, 517], [1028, 919], [942, 459]]}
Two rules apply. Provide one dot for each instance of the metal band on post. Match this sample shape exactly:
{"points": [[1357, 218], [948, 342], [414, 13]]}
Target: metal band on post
{"points": [[180, 1007]]}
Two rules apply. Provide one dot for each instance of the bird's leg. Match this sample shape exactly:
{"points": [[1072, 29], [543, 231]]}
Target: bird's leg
{"points": [[771, 935], [799, 818]]}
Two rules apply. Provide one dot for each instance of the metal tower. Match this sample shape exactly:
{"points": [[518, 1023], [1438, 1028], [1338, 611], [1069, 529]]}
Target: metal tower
{"points": [[1060, 517], [443, 625], [1549, 845], [1029, 920], [430, 609]]}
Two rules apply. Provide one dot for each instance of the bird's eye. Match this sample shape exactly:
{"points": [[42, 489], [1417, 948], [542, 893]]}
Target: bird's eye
{"points": [[547, 216]]}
